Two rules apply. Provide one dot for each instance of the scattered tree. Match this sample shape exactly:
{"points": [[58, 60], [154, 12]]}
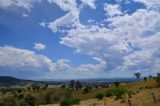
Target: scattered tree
{"points": [[145, 79], [35, 87], [78, 85], [137, 74], [117, 84], [158, 74], [86, 90], [72, 84], [63, 86], [150, 76]]}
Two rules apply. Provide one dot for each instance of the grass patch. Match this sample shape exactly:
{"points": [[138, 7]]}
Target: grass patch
{"points": [[99, 96], [69, 102], [118, 92]]}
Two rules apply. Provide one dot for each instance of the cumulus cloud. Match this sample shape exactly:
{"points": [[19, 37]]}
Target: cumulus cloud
{"points": [[90, 3], [17, 62], [71, 18], [24, 59], [39, 46], [130, 42], [112, 10], [26, 4]]}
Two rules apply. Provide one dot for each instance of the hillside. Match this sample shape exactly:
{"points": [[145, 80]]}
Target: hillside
{"points": [[7, 80]]}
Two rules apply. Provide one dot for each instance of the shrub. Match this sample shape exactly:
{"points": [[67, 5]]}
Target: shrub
{"points": [[30, 100], [10, 102], [69, 102], [118, 92], [145, 79], [86, 90], [63, 86], [117, 83], [99, 96], [158, 81], [48, 99]]}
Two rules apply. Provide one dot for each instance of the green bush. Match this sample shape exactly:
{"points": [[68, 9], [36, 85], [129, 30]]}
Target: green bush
{"points": [[30, 100], [10, 102], [86, 90], [158, 81], [69, 102], [99, 96], [48, 98], [118, 92]]}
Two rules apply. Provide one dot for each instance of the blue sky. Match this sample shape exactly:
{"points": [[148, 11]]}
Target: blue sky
{"points": [[65, 39]]}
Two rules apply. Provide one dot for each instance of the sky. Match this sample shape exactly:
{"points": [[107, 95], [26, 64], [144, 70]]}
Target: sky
{"points": [[73, 39]]}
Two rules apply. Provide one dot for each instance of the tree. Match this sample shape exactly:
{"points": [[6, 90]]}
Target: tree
{"points": [[145, 79], [35, 87], [63, 86], [158, 74], [150, 76], [78, 85], [86, 90], [45, 87], [137, 74], [117, 84], [72, 84]]}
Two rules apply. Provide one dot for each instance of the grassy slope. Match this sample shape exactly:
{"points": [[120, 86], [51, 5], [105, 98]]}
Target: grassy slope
{"points": [[59, 93], [144, 96]]}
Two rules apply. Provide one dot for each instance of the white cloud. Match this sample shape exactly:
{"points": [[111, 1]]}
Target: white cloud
{"points": [[129, 43], [25, 15], [26, 4], [43, 24], [39, 46], [24, 59], [112, 10], [19, 61], [90, 3], [151, 4], [70, 19]]}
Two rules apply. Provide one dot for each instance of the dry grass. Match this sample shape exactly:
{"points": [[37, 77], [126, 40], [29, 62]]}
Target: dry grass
{"points": [[144, 96]]}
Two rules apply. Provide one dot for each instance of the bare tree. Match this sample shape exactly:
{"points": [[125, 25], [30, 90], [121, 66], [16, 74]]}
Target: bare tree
{"points": [[137, 74]]}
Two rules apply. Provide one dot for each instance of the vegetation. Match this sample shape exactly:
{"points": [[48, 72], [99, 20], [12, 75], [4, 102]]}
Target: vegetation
{"points": [[69, 102], [145, 79], [30, 100], [72, 84], [99, 96], [137, 74], [158, 79], [34, 94], [117, 84], [118, 92]]}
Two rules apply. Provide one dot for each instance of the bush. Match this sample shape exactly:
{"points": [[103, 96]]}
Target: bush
{"points": [[158, 81], [10, 102], [30, 100], [69, 102], [99, 96], [86, 90], [118, 92], [48, 99], [117, 84], [63, 86]]}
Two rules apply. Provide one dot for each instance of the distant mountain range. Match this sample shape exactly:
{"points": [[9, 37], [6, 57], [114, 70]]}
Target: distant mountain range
{"points": [[7, 80]]}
